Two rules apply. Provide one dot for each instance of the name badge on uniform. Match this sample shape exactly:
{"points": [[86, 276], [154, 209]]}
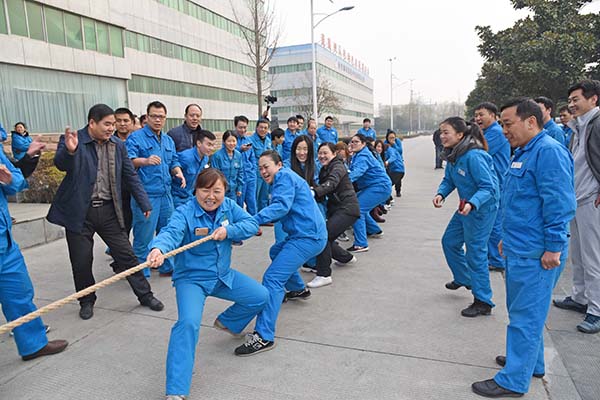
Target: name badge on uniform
{"points": [[225, 223], [516, 164], [461, 172], [201, 231]]}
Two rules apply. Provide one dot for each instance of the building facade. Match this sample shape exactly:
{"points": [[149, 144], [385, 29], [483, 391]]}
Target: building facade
{"points": [[59, 57], [291, 73]]}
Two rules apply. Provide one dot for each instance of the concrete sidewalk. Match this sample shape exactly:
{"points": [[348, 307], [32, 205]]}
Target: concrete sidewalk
{"points": [[386, 329]]}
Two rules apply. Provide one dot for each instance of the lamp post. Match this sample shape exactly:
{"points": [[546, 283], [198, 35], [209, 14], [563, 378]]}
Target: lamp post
{"points": [[391, 60], [314, 52]]}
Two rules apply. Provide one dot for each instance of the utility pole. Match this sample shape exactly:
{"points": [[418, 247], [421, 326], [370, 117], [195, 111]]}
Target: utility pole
{"points": [[391, 60], [410, 121]]}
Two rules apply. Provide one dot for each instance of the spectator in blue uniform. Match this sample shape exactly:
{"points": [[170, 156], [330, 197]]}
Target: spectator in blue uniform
{"points": [[229, 161], [499, 148], [394, 156], [292, 204], [470, 171], [205, 271], [277, 140], [565, 117], [261, 142], [551, 127], [153, 154], [301, 127], [327, 133], [183, 134], [539, 201], [367, 131], [20, 140], [291, 133], [244, 146]]}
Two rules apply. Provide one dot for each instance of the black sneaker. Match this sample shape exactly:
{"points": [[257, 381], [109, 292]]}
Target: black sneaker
{"points": [[357, 249], [254, 344], [453, 285], [297, 294], [477, 308]]}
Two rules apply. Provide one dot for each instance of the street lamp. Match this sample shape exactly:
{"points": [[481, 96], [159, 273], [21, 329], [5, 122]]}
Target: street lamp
{"points": [[391, 60], [314, 51]]}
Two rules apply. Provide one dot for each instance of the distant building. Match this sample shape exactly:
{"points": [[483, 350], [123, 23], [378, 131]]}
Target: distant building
{"points": [[291, 72]]}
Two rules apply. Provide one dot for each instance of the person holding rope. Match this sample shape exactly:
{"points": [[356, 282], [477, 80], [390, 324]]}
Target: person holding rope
{"points": [[89, 200], [16, 289], [205, 271]]}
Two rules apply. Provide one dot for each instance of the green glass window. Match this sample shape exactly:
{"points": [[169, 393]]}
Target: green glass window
{"points": [[116, 41], [73, 30], [89, 30], [3, 27], [54, 26], [34, 19], [16, 16], [103, 41]]}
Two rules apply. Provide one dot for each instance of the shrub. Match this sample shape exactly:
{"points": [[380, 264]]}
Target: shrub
{"points": [[44, 181]]}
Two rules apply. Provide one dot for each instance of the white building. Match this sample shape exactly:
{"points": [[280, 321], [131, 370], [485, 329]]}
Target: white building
{"points": [[59, 57], [291, 73]]}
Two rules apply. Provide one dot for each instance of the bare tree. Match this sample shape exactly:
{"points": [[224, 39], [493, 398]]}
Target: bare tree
{"points": [[327, 100], [260, 38]]}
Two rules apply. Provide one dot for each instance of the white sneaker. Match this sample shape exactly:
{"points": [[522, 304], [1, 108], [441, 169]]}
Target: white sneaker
{"points": [[387, 207], [175, 397], [377, 235], [320, 281], [352, 261]]}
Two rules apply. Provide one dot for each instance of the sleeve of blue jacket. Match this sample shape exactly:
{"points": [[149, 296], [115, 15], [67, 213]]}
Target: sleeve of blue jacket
{"points": [[485, 182], [18, 182], [244, 225], [62, 159], [556, 188], [241, 174], [132, 181], [391, 155], [3, 135], [171, 236], [358, 168], [447, 185], [133, 147], [282, 198]]}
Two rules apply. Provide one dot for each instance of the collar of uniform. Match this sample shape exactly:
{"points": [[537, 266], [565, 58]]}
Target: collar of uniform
{"points": [[532, 142], [199, 211], [491, 126], [549, 123], [149, 132], [197, 156]]}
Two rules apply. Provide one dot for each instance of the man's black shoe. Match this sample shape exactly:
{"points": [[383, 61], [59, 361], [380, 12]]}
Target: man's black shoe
{"points": [[477, 308], [86, 311], [254, 344], [501, 361], [496, 269], [490, 388], [569, 304], [453, 285], [298, 294], [153, 303]]}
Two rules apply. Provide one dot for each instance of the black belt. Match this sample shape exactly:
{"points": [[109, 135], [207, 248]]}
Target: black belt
{"points": [[100, 203]]}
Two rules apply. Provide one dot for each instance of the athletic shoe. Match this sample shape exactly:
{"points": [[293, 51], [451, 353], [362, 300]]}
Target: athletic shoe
{"points": [[453, 285], [387, 207], [219, 325], [358, 249], [237, 243], [569, 304], [320, 281], [254, 344], [298, 294], [477, 308], [377, 235], [343, 237], [175, 397], [591, 324], [342, 264], [308, 268]]}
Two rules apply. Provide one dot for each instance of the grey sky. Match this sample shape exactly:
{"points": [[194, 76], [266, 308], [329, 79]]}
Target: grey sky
{"points": [[434, 40]]}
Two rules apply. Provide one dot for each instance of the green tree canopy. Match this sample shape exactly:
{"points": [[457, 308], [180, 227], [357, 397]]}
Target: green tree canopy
{"points": [[541, 55]]}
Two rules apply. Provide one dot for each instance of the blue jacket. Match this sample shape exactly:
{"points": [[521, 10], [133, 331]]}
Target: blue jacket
{"points": [[287, 143], [3, 135], [250, 163], [568, 133], [183, 137], [369, 133], [259, 145], [17, 184], [366, 171], [191, 165], [328, 135], [538, 198], [394, 160], [20, 144], [397, 145], [209, 262], [232, 168], [499, 149], [143, 143], [554, 131], [73, 198], [293, 204], [474, 177]]}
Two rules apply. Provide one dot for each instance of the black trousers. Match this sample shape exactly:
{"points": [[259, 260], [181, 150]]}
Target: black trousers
{"points": [[337, 223], [103, 220], [438, 156], [396, 178]]}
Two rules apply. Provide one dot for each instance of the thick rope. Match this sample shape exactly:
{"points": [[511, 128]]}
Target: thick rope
{"points": [[59, 303]]}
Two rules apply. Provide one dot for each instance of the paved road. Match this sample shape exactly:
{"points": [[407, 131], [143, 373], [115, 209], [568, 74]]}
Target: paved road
{"points": [[385, 329]]}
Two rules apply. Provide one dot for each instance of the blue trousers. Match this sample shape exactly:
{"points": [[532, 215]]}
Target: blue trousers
{"points": [[16, 298], [249, 299], [262, 193], [282, 274], [249, 197], [368, 199], [494, 257], [470, 268], [144, 228], [528, 294]]}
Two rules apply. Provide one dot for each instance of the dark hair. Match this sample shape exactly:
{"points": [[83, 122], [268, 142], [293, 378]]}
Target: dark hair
{"points": [[203, 133], [298, 117], [21, 123], [277, 133], [383, 148], [328, 117], [486, 105], [262, 121], [367, 142], [389, 132], [467, 129], [187, 108], [308, 173], [208, 177], [143, 119], [549, 104], [99, 112], [526, 108], [366, 120], [292, 119], [156, 104], [238, 118], [272, 154], [564, 108], [331, 146], [589, 88], [125, 110], [227, 134]]}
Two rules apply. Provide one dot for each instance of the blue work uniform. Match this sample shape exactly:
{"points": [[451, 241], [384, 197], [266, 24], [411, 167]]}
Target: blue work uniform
{"points": [[156, 180], [20, 144], [394, 159], [16, 289], [191, 165], [250, 168], [328, 134], [289, 138], [232, 168], [474, 177], [554, 131], [374, 188], [397, 145], [499, 149], [568, 133], [539, 199], [3, 135], [368, 133], [293, 205], [202, 271], [259, 146]]}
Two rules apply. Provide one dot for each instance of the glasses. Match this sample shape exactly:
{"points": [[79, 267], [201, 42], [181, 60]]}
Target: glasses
{"points": [[355, 142], [159, 117]]}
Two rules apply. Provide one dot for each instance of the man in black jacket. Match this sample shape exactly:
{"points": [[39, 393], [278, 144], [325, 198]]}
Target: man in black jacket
{"points": [[437, 141], [89, 201]]}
